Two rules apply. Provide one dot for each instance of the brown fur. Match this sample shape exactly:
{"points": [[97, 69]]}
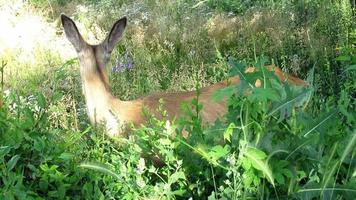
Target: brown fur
{"points": [[114, 113]]}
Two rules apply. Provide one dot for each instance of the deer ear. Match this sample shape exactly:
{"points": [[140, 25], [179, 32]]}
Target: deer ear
{"points": [[115, 35], [72, 33]]}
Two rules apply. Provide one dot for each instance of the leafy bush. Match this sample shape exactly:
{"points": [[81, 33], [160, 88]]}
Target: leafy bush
{"points": [[268, 146], [278, 142]]}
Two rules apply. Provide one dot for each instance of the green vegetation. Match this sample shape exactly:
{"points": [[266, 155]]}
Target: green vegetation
{"points": [[279, 142]]}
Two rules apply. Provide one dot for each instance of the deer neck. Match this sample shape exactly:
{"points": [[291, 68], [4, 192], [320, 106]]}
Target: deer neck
{"points": [[97, 93]]}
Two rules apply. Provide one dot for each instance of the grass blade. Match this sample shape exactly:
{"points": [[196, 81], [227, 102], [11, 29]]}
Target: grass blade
{"points": [[100, 168]]}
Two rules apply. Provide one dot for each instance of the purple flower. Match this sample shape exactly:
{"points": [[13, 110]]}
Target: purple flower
{"points": [[119, 67], [126, 62]]}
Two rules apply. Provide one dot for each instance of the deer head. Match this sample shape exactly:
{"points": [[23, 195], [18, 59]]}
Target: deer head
{"points": [[93, 59]]}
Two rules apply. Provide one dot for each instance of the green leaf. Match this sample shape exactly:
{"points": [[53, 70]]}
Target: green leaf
{"points": [[56, 96], [237, 68], [100, 168], [249, 178], [320, 122], [179, 192], [256, 157], [256, 153], [224, 93], [228, 132], [287, 173], [351, 67], [212, 196], [66, 156], [264, 94], [282, 164], [12, 162], [343, 58], [292, 100], [350, 146], [39, 144], [279, 178], [176, 176], [218, 151], [41, 100], [246, 164], [4, 150]]}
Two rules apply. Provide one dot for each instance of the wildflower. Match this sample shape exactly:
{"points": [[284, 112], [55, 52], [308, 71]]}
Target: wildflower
{"points": [[124, 63]]}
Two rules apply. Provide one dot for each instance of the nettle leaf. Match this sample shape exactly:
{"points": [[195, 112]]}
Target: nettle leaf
{"points": [[228, 132]]}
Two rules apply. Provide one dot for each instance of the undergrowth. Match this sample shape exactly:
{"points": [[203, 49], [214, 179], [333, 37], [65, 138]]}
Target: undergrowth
{"points": [[277, 142]]}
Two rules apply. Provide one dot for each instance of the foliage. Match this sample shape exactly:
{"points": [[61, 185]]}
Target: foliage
{"points": [[268, 146], [277, 141]]}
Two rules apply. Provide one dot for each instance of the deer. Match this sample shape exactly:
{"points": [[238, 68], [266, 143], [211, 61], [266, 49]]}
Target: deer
{"points": [[103, 108]]}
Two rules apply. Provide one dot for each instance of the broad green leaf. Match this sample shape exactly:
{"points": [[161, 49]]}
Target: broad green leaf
{"points": [[224, 93], [56, 96], [4, 150], [248, 179], [246, 164], [320, 122], [351, 67], [41, 100], [285, 106], [264, 94], [287, 173], [343, 58], [256, 153], [12, 162], [66, 156], [259, 164], [279, 178], [176, 176], [179, 192], [218, 151], [282, 163], [238, 69], [212, 196]]}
